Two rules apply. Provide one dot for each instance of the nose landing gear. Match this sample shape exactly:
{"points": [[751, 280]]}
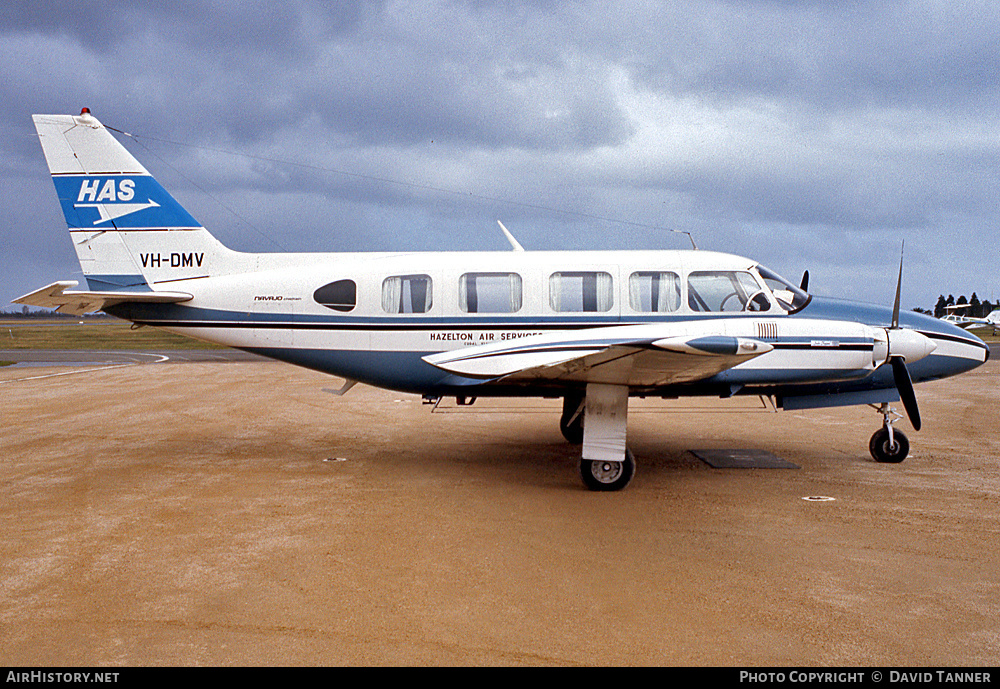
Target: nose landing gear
{"points": [[887, 445]]}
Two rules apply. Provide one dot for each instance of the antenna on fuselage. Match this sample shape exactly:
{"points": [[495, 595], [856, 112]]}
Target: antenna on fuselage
{"points": [[690, 236], [510, 238]]}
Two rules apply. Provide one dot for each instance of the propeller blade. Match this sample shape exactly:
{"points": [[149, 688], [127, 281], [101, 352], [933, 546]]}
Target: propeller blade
{"points": [[804, 285], [905, 387], [899, 285], [899, 373]]}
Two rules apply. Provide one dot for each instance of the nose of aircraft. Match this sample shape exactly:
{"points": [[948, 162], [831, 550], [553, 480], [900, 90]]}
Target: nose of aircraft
{"points": [[956, 351], [909, 344]]}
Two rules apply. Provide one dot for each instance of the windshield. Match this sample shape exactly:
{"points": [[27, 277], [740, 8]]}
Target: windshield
{"points": [[788, 296]]}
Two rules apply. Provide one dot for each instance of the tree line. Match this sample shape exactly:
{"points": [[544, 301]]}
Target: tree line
{"points": [[973, 306]]}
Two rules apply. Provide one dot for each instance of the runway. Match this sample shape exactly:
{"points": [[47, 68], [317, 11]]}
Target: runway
{"points": [[73, 357], [235, 514]]}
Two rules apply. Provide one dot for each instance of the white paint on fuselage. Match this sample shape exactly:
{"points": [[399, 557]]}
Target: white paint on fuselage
{"points": [[282, 288]]}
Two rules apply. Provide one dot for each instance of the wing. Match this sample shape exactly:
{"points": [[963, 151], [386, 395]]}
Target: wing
{"points": [[56, 296], [624, 355]]}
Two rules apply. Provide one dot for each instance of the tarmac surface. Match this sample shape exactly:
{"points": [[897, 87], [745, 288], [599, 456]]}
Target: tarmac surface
{"points": [[212, 513]]}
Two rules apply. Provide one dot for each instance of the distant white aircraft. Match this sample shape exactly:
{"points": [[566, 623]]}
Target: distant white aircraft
{"points": [[591, 327], [992, 320], [970, 322]]}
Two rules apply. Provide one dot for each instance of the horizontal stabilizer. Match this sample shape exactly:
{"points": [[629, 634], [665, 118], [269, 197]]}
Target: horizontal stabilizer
{"points": [[56, 296]]}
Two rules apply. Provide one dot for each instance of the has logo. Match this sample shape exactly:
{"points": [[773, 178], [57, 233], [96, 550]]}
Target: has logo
{"points": [[125, 190], [111, 199]]}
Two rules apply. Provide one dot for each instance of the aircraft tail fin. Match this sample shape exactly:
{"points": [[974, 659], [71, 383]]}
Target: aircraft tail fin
{"points": [[128, 231]]}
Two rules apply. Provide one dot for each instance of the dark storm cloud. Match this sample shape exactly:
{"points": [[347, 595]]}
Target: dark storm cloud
{"points": [[788, 127], [272, 27], [830, 55]]}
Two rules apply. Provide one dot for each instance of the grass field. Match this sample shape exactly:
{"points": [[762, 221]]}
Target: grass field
{"points": [[103, 334]]}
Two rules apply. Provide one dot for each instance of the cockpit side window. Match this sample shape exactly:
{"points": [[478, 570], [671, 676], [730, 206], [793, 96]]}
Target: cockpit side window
{"points": [[725, 290]]}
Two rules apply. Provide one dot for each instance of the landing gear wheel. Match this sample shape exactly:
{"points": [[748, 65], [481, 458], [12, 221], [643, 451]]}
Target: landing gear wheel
{"points": [[885, 452], [571, 422], [602, 475]]}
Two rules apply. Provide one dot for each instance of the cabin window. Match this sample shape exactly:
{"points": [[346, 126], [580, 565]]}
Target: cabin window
{"points": [[654, 292], [407, 294], [580, 291], [341, 295], [725, 290], [489, 292]]}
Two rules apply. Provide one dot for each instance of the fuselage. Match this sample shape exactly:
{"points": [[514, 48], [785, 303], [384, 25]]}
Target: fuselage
{"points": [[374, 317]]}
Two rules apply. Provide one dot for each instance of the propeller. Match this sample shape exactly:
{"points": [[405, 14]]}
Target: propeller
{"points": [[899, 285], [905, 386], [906, 340], [804, 285]]}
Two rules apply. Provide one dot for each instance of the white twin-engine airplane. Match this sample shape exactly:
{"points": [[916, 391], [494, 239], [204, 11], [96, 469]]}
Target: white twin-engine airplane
{"points": [[591, 327], [971, 322]]}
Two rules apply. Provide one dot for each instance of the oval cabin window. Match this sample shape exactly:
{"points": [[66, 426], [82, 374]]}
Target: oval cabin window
{"points": [[341, 295]]}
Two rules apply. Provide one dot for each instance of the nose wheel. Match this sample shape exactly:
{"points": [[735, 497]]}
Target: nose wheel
{"points": [[887, 445], [889, 450]]}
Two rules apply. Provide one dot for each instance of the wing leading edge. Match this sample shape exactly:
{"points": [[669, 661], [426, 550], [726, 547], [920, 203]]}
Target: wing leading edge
{"points": [[630, 355]]}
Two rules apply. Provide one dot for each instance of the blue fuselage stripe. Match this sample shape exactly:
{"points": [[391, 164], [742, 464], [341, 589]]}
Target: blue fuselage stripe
{"points": [[405, 370]]}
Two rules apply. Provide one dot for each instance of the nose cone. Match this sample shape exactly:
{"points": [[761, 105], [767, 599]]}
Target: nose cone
{"points": [[909, 344], [956, 351]]}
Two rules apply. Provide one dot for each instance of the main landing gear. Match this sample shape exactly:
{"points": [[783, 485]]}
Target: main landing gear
{"points": [[571, 421], [888, 445], [597, 420], [604, 475]]}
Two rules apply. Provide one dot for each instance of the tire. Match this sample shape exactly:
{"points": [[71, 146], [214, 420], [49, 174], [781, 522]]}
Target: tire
{"points": [[572, 431], [604, 476], [884, 453]]}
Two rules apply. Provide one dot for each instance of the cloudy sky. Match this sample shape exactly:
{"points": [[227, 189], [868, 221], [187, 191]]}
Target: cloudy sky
{"points": [[807, 135]]}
